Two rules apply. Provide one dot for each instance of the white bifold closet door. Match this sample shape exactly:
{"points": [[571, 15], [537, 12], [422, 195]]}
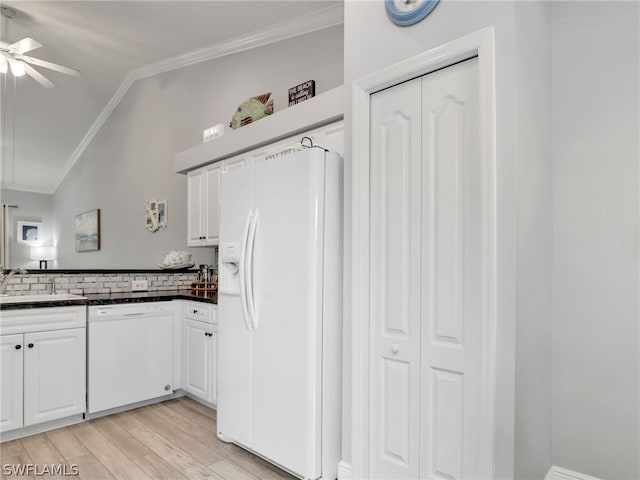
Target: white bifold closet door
{"points": [[426, 268]]}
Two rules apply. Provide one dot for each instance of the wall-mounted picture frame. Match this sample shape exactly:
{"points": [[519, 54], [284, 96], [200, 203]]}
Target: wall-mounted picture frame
{"points": [[155, 214], [29, 233], [87, 235]]}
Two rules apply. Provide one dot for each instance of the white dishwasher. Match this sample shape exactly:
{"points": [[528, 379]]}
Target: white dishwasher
{"points": [[130, 350]]}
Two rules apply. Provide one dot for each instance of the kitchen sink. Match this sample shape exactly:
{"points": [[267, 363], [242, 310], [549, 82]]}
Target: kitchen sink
{"points": [[47, 297]]}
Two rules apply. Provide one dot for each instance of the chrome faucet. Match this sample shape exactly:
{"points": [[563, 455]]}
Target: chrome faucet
{"points": [[4, 279]]}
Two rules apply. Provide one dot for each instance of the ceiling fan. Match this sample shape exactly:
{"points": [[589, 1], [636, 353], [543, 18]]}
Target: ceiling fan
{"points": [[13, 56]]}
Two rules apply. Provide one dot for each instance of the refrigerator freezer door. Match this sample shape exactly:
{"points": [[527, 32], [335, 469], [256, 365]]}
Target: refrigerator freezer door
{"points": [[234, 349], [287, 292]]}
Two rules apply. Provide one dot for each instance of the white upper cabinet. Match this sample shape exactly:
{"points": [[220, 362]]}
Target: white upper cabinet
{"points": [[203, 184], [195, 202]]}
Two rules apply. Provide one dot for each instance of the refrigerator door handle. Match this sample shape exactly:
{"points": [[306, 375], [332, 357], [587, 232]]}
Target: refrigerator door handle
{"points": [[242, 264], [251, 304]]}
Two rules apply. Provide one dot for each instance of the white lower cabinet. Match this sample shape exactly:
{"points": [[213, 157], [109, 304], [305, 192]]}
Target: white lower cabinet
{"points": [[54, 375], [43, 368], [200, 352], [11, 390]]}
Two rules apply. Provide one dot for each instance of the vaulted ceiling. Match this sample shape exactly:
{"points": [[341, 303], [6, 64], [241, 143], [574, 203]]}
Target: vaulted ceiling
{"points": [[112, 43]]}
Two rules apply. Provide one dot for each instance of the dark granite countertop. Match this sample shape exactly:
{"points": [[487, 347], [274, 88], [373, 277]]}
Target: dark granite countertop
{"points": [[115, 298]]}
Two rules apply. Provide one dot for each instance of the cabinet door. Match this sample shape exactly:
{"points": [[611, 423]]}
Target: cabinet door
{"points": [[235, 162], [54, 375], [332, 138], [211, 202], [195, 205], [11, 347], [214, 366], [197, 375]]}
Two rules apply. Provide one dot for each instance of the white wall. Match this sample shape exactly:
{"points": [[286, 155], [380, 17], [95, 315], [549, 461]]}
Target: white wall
{"points": [[33, 207], [596, 253], [534, 240], [131, 158]]}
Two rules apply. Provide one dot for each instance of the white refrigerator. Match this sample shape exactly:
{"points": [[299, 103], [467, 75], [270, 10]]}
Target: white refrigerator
{"points": [[280, 311]]}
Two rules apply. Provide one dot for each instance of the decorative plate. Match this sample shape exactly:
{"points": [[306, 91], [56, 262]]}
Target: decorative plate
{"points": [[251, 110], [408, 12]]}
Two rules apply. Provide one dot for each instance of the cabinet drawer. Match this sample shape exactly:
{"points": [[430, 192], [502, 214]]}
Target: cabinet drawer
{"points": [[201, 312], [38, 319]]}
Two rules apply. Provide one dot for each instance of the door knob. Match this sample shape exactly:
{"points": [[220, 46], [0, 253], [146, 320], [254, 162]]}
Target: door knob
{"points": [[395, 348]]}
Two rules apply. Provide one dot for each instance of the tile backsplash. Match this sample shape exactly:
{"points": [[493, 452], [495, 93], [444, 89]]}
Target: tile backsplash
{"points": [[80, 284]]}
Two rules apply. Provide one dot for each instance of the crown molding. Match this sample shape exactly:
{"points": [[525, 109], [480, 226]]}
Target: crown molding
{"points": [[27, 188], [303, 24]]}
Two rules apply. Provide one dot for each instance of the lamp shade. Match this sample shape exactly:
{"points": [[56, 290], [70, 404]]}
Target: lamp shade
{"points": [[43, 253]]}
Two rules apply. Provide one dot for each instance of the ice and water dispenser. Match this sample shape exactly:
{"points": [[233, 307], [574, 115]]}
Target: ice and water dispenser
{"points": [[229, 281]]}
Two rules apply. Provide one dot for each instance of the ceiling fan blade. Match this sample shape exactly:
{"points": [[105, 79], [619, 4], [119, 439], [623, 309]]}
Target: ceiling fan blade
{"points": [[49, 65], [38, 77], [25, 45]]}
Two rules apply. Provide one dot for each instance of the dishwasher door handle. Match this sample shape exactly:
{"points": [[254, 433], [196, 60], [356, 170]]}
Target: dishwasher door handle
{"points": [[137, 314]]}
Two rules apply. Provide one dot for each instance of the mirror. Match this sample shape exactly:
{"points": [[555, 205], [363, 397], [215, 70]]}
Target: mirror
{"points": [[119, 154]]}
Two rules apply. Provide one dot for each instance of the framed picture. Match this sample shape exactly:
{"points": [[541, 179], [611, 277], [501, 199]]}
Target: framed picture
{"points": [[88, 231], [156, 214], [29, 233]]}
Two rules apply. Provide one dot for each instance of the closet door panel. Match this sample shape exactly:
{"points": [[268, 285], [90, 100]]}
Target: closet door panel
{"points": [[452, 283], [395, 281]]}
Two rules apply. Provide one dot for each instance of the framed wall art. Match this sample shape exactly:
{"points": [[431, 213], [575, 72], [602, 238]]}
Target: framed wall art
{"points": [[88, 231], [29, 233], [156, 214]]}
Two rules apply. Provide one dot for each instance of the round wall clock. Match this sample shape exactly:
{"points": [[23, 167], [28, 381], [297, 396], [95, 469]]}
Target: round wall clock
{"points": [[408, 12]]}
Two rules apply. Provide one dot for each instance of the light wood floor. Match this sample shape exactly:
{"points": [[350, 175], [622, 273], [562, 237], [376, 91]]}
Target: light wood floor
{"points": [[170, 440]]}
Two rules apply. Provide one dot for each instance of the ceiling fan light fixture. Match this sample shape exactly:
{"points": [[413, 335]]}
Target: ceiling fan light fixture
{"points": [[17, 68]]}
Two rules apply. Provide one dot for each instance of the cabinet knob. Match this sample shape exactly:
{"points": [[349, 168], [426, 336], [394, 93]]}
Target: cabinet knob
{"points": [[30, 345], [395, 348], [18, 347], [195, 311]]}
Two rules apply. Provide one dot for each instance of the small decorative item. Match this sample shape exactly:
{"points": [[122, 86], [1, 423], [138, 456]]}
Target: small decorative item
{"points": [[212, 132], [30, 233], [156, 214], [88, 231], [302, 92], [408, 12], [175, 260], [252, 110]]}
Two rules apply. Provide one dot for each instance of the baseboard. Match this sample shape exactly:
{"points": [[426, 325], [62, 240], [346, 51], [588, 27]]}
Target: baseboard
{"points": [[40, 428], [344, 471], [557, 473]]}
